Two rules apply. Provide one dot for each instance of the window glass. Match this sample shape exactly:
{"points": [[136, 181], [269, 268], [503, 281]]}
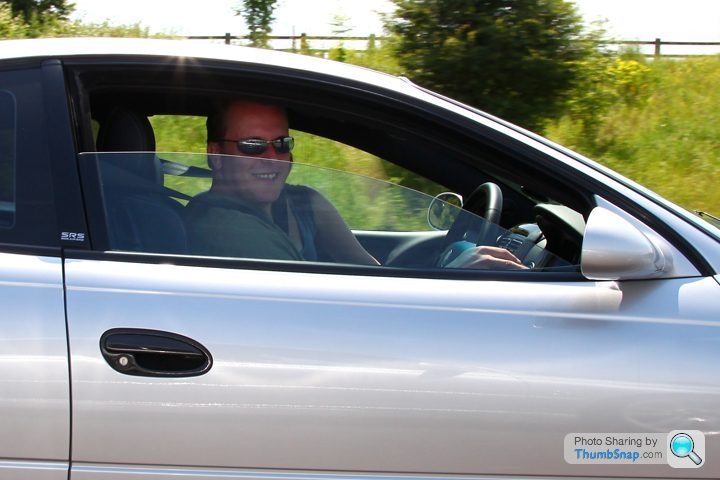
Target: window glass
{"points": [[7, 159], [280, 210], [27, 197], [184, 133], [179, 133]]}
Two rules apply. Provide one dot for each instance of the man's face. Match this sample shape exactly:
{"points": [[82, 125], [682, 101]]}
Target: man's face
{"points": [[255, 178]]}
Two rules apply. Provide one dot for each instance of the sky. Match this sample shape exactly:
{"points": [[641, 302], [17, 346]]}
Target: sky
{"points": [[670, 20]]}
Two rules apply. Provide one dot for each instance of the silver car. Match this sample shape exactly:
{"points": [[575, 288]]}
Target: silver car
{"points": [[125, 353]]}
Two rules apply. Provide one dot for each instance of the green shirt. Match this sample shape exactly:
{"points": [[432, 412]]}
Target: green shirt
{"points": [[224, 226]]}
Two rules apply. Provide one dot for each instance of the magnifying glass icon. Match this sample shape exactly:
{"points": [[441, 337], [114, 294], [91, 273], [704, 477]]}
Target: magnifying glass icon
{"points": [[682, 446]]}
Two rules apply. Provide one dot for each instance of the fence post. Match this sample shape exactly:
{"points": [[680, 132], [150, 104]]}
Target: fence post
{"points": [[371, 42], [657, 47], [227, 38]]}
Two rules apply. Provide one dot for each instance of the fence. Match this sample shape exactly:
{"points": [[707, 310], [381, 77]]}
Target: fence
{"points": [[693, 48], [296, 42], [299, 42]]}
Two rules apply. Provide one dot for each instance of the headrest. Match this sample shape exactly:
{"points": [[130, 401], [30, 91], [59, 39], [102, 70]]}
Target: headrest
{"points": [[125, 131]]}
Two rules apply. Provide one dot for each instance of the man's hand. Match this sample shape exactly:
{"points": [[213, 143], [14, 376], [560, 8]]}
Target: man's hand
{"points": [[489, 258]]}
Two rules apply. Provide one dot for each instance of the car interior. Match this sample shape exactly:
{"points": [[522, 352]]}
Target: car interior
{"points": [[143, 214]]}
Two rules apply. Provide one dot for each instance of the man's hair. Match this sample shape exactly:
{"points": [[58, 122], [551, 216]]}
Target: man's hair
{"points": [[216, 124]]}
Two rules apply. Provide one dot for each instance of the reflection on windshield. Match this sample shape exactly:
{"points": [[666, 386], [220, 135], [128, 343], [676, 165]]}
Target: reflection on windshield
{"points": [[250, 207]]}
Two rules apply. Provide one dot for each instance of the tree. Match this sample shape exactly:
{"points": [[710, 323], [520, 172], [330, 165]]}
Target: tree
{"points": [[513, 58], [339, 28], [10, 26], [34, 18], [258, 15], [29, 9]]}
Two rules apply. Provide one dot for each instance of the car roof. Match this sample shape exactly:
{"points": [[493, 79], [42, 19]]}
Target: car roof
{"points": [[199, 49], [105, 49]]}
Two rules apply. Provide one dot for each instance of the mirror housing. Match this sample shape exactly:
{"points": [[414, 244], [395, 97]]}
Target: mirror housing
{"points": [[615, 249]]}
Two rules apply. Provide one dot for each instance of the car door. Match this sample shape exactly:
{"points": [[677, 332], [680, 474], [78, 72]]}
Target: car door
{"points": [[220, 367], [34, 379], [357, 373], [226, 367]]}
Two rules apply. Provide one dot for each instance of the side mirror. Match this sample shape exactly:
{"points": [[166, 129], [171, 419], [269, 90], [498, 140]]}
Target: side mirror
{"points": [[615, 249], [443, 210]]}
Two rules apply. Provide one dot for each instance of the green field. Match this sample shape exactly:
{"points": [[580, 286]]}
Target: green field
{"points": [[660, 128]]}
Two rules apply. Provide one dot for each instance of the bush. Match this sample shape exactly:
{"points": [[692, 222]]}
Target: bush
{"points": [[658, 123], [513, 59]]}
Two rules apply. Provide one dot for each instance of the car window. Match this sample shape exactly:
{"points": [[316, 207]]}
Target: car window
{"points": [[164, 203], [28, 208], [7, 159]]}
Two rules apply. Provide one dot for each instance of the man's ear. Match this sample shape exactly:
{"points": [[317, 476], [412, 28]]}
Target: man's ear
{"points": [[213, 147]]}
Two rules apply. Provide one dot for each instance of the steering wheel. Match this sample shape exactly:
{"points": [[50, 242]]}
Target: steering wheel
{"points": [[469, 230]]}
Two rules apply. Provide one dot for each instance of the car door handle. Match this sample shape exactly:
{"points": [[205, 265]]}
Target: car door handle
{"points": [[154, 353]]}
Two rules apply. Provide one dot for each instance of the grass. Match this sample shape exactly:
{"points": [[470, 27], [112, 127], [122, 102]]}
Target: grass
{"points": [[667, 138]]}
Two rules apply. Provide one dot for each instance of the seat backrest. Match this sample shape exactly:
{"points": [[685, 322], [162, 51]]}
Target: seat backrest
{"points": [[127, 131], [141, 216]]}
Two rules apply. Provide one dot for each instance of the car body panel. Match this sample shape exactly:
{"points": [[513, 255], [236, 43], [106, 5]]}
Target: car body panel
{"points": [[328, 372], [33, 470], [34, 377]]}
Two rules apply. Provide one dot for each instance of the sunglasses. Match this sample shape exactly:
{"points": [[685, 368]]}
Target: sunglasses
{"points": [[258, 146]]}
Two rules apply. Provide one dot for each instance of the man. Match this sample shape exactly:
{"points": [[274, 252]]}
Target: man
{"points": [[251, 212], [241, 214]]}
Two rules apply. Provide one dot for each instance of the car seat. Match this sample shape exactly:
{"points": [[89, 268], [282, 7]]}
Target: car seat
{"points": [[141, 214]]}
